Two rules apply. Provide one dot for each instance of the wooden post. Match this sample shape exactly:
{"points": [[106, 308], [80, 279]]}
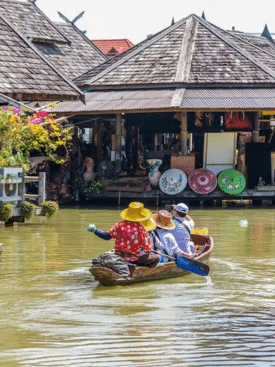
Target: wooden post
{"points": [[183, 133], [22, 191], [99, 142], [118, 141], [42, 188], [256, 127]]}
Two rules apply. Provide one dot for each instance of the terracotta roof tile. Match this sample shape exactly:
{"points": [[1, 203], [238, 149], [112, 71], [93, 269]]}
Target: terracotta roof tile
{"points": [[120, 45]]}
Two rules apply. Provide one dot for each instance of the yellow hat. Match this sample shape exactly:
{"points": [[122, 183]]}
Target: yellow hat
{"points": [[148, 225], [136, 212]]}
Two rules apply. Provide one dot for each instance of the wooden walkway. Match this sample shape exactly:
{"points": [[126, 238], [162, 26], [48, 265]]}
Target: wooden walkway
{"points": [[187, 196]]}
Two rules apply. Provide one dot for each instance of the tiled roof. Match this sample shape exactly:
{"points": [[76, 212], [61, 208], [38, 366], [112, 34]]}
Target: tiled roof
{"points": [[192, 51], [120, 45], [24, 73]]}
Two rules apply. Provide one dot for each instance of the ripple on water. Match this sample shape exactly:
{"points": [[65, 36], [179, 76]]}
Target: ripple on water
{"points": [[53, 313]]}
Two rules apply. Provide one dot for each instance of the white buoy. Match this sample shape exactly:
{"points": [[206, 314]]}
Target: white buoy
{"points": [[243, 223]]}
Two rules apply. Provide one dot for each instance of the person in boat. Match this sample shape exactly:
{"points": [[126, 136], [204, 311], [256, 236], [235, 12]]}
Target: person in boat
{"points": [[132, 242], [183, 227], [162, 239]]}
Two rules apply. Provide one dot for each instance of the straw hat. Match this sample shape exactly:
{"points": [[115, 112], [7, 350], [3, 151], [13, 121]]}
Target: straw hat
{"points": [[163, 220], [148, 225], [136, 213]]}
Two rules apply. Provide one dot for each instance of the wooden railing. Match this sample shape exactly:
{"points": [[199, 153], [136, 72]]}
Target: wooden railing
{"points": [[41, 196]]}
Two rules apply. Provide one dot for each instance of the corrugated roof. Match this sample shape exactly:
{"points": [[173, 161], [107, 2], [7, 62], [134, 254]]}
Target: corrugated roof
{"points": [[263, 98], [174, 99], [102, 101]]}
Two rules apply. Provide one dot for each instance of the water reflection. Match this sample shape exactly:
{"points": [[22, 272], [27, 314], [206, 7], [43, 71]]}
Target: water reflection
{"points": [[54, 314]]}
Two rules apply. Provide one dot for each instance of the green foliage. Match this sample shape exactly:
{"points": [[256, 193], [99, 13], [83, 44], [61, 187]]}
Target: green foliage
{"points": [[6, 211], [90, 187], [49, 208], [27, 210], [81, 187]]}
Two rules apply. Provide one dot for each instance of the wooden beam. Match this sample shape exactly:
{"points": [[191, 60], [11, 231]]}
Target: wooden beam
{"points": [[183, 133], [118, 141], [256, 127], [187, 50]]}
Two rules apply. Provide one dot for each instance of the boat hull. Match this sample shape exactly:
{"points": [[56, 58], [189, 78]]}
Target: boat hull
{"points": [[108, 277]]}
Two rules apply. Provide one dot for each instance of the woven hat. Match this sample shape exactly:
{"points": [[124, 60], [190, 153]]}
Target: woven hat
{"points": [[163, 220], [181, 208], [148, 225], [136, 212]]}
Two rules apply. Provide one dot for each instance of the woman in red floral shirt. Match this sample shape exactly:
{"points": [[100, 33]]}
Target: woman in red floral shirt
{"points": [[132, 241]]}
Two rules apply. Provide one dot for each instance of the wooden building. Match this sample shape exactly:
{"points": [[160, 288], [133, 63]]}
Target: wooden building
{"points": [[205, 85]]}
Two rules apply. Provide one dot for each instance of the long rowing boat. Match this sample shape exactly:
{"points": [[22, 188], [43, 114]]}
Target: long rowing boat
{"points": [[203, 244]]}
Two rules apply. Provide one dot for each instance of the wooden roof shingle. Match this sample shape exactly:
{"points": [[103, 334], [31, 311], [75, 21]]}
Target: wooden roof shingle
{"points": [[30, 21], [25, 74], [192, 51], [66, 48]]}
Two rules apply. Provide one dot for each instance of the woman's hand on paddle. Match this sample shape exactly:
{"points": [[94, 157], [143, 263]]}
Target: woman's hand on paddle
{"points": [[91, 228]]}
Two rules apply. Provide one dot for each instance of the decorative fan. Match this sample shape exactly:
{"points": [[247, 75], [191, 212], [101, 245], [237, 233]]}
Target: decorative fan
{"points": [[231, 181], [105, 170], [202, 181], [173, 181]]}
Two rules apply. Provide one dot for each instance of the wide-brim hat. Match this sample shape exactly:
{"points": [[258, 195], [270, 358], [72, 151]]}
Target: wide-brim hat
{"points": [[136, 213], [163, 220], [148, 225]]}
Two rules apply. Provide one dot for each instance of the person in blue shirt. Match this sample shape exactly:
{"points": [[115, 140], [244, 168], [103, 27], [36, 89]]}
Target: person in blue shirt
{"points": [[184, 225]]}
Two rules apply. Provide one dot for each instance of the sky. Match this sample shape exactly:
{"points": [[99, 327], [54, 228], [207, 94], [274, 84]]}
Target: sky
{"points": [[136, 19]]}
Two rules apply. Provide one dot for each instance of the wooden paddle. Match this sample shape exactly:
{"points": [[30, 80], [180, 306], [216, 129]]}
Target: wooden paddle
{"points": [[188, 264]]}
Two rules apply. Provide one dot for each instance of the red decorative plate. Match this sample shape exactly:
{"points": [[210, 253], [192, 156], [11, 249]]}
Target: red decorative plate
{"points": [[202, 181]]}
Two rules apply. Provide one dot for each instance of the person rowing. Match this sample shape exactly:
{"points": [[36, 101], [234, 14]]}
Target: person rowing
{"points": [[132, 242]]}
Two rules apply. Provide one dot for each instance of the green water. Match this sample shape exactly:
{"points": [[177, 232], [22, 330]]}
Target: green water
{"points": [[53, 313]]}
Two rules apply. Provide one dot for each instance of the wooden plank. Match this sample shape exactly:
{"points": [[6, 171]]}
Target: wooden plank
{"points": [[42, 188], [32, 178]]}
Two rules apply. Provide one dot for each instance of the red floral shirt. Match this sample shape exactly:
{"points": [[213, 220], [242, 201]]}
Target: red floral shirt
{"points": [[130, 237]]}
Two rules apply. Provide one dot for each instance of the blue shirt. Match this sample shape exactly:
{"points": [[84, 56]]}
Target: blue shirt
{"points": [[182, 235]]}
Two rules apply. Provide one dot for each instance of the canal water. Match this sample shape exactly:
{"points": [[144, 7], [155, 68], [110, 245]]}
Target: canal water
{"points": [[53, 313]]}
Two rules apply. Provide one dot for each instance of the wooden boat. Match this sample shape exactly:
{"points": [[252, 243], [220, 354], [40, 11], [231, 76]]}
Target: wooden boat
{"points": [[203, 245]]}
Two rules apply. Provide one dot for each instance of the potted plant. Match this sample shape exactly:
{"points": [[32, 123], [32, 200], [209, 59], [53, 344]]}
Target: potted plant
{"points": [[27, 210], [6, 211], [49, 208]]}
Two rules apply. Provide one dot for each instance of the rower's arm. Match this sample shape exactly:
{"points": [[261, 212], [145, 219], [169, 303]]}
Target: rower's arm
{"points": [[104, 235]]}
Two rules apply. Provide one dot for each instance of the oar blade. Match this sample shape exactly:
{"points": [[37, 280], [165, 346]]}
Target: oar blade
{"points": [[192, 265]]}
